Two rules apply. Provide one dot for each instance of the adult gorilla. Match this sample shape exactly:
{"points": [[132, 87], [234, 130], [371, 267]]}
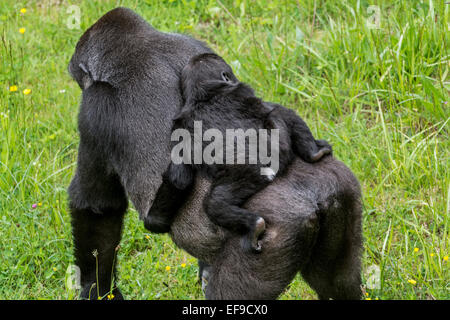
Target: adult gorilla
{"points": [[129, 74]]}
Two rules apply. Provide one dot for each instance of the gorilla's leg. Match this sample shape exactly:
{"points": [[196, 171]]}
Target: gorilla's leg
{"points": [[96, 234], [97, 204], [334, 270], [223, 207], [204, 272]]}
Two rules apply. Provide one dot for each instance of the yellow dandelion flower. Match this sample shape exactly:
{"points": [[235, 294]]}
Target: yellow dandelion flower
{"points": [[147, 237], [432, 255], [413, 282], [23, 10], [54, 269], [168, 268], [40, 204], [183, 265], [368, 298], [110, 296], [446, 258], [27, 91], [416, 249], [367, 294], [22, 30], [13, 88]]}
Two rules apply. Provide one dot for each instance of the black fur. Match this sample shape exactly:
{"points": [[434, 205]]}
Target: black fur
{"points": [[313, 216], [129, 73], [214, 96]]}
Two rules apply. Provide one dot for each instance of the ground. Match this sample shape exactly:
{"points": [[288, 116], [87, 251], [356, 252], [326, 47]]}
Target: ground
{"points": [[372, 77]]}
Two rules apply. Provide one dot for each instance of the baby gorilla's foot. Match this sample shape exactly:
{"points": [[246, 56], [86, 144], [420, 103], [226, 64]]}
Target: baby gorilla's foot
{"points": [[324, 149], [157, 224], [252, 242]]}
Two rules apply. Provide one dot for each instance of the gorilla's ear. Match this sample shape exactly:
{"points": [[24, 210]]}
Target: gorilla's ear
{"points": [[206, 90], [81, 73], [87, 79], [86, 71], [83, 68], [211, 88], [225, 77]]}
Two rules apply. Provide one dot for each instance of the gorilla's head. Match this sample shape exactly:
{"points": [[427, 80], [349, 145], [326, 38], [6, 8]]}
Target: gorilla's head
{"points": [[205, 76]]}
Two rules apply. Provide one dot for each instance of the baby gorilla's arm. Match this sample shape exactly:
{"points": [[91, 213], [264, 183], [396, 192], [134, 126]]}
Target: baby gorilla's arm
{"points": [[303, 142], [223, 206], [170, 196]]}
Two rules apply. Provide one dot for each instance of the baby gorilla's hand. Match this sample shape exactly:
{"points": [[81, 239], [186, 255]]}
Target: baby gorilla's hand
{"points": [[252, 241], [323, 148]]}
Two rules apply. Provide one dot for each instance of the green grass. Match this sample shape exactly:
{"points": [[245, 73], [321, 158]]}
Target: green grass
{"points": [[380, 96]]}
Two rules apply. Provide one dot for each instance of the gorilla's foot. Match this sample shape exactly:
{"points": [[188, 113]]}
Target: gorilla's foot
{"points": [[324, 149], [252, 242], [89, 292]]}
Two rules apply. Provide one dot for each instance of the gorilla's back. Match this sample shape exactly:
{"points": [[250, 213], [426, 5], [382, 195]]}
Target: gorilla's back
{"points": [[289, 205]]}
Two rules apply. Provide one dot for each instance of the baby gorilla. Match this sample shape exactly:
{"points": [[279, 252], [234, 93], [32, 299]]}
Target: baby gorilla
{"points": [[214, 96]]}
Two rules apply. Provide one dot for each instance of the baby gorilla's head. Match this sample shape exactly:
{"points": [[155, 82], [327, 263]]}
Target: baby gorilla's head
{"points": [[205, 75], [207, 67]]}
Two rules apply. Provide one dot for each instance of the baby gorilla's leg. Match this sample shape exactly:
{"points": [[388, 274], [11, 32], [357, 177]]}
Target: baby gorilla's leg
{"points": [[223, 208], [323, 148]]}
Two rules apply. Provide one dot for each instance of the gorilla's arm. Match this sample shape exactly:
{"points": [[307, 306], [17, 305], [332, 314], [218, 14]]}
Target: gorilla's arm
{"points": [[171, 195]]}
